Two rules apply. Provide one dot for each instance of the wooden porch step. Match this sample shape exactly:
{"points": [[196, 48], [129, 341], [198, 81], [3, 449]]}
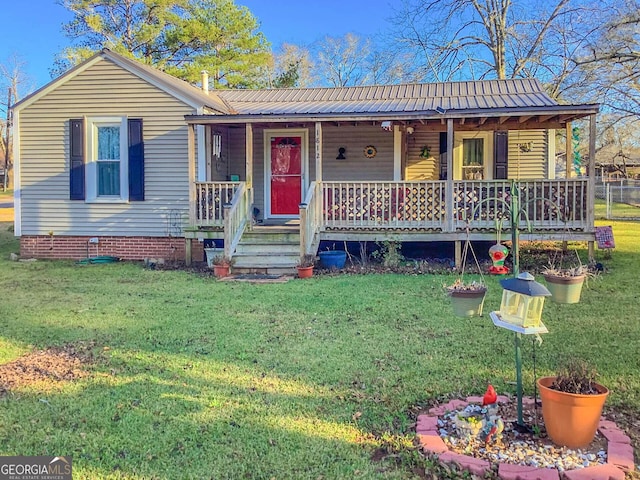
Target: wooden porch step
{"points": [[265, 270], [268, 249], [281, 265], [271, 237]]}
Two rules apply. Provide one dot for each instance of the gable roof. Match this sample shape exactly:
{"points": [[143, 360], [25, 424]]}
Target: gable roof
{"points": [[471, 95], [175, 87]]}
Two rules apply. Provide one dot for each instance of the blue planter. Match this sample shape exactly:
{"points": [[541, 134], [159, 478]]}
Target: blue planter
{"points": [[332, 258]]}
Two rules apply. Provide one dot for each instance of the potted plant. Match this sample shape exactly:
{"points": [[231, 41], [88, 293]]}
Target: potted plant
{"points": [[467, 298], [305, 266], [332, 258], [222, 266], [572, 404], [565, 284]]}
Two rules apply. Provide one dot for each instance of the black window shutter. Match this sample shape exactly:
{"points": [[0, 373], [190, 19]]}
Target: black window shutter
{"points": [[76, 159], [443, 156], [501, 148], [136, 160]]}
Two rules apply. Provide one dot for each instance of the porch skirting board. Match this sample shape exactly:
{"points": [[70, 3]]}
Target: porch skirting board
{"points": [[126, 248]]}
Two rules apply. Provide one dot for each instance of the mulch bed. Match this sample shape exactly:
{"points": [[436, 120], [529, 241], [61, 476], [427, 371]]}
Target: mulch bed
{"points": [[54, 364]]}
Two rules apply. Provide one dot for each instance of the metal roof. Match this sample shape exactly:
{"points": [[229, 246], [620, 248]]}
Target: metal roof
{"points": [[403, 98]]}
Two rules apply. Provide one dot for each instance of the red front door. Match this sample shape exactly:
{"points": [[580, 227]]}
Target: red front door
{"points": [[286, 175]]}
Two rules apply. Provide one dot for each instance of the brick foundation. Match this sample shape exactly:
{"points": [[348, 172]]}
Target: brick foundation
{"points": [[125, 248]]}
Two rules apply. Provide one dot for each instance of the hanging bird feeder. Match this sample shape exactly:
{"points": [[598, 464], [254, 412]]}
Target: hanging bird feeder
{"points": [[522, 301], [521, 312]]}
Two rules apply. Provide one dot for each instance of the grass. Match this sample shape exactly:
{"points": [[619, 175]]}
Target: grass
{"points": [[618, 210], [196, 378]]}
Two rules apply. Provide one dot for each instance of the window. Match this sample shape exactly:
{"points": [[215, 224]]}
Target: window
{"points": [[108, 158], [473, 158], [107, 166]]}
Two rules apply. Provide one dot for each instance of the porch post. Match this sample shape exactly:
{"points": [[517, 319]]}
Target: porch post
{"points": [[568, 157], [397, 153], [318, 152], [248, 173], [449, 188], [191, 160], [591, 181], [249, 155], [318, 200]]}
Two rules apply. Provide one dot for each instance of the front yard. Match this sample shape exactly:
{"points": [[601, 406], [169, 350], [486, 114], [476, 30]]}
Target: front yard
{"points": [[176, 375]]}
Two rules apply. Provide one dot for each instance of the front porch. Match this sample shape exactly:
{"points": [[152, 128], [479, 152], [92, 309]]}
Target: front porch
{"points": [[409, 163], [405, 211]]}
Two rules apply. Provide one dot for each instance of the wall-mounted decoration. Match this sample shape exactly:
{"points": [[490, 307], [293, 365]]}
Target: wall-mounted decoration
{"points": [[525, 147], [425, 152], [370, 151], [341, 152]]}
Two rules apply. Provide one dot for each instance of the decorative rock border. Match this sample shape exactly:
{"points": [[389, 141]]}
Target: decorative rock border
{"points": [[619, 450]]}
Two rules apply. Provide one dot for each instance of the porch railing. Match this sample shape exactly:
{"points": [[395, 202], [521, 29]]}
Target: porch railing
{"points": [[310, 220], [383, 205], [544, 204], [210, 200], [236, 218]]}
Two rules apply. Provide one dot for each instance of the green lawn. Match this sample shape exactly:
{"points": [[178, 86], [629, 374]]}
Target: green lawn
{"points": [[618, 210], [195, 378]]}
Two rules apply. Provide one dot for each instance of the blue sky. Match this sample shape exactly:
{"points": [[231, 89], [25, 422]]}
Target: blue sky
{"points": [[32, 28]]}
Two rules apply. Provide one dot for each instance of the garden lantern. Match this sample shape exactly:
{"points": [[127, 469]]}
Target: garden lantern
{"points": [[522, 301]]}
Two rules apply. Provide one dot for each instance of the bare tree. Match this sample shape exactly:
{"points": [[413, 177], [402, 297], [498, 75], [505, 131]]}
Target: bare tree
{"points": [[13, 81], [290, 67], [341, 60], [352, 60], [463, 39], [612, 61]]}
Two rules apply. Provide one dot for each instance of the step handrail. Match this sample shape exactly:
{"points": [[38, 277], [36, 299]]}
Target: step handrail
{"points": [[310, 220], [236, 219]]}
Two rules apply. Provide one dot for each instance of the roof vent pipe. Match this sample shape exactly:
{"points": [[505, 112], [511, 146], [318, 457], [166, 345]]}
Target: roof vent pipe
{"points": [[205, 81]]}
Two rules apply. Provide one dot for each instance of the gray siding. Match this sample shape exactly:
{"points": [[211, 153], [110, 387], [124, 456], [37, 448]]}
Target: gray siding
{"points": [[44, 156], [356, 166]]}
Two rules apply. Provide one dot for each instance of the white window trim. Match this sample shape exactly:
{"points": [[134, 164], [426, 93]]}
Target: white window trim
{"points": [[289, 132], [91, 167], [488, 153]]}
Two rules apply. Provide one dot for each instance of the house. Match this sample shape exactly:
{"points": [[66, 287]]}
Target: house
{"points": [[146, 165]]}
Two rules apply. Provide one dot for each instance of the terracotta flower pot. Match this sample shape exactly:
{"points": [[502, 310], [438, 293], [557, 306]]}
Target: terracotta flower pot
{"points": [[221, 271], [305, 272], [467, 303], [564, 289], [571, 419]]}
